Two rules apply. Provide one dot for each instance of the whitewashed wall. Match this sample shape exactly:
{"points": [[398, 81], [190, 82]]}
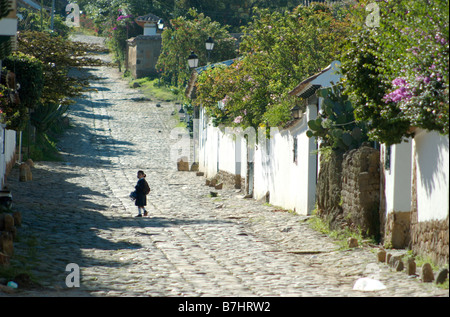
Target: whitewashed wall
{"points": [[291, 185], [7, 150], [398, 176], [218, 150], [431, 152]]}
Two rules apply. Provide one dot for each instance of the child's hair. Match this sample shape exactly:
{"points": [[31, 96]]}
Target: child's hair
{"points": [[142, 172]]}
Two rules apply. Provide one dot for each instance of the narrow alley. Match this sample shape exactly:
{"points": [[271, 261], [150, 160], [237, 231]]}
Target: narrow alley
{"points": [[78, 211]]}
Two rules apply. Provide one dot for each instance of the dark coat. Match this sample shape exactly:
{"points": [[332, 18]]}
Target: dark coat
{"points": [[141, 199]]}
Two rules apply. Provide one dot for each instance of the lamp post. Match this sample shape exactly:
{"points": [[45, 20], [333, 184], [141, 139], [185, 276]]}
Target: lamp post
{"points": [[160, 24], [182, 114], [296, 112], [209, 47], [193, 60]]}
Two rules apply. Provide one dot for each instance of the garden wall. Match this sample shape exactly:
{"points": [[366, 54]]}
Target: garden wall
{"points": [[328, 190], [348, 191]]}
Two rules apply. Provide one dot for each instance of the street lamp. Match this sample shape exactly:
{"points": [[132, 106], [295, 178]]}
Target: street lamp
{"points": [[209, 46], [193, 60], [182, 114], [296, 112], [160, 24]]}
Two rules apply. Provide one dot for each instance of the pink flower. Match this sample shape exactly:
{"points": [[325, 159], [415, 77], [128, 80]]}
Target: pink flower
{"points": [[401, 93], [399, 82], [238, 119]]}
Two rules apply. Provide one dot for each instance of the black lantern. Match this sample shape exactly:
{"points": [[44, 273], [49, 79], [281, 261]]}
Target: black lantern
{"points": [[296, 112], [182, 114], [209, 44], [160, 24], [209, 47], [193, 60]]}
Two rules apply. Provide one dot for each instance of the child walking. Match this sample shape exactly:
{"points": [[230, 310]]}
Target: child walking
{"points": [[142, 189]]}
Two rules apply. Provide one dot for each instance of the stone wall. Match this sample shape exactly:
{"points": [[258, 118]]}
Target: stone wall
{"points": [[431, 238], [143, 53], [348, 190], [328, 190], [396, 231], [361, 189], [428, 238], [230, 180]]}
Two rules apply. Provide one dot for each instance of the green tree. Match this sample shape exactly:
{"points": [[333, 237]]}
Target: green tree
{"points": [[186, 35], [279, 50], [31, 21], [57, 55], [30, 76]]}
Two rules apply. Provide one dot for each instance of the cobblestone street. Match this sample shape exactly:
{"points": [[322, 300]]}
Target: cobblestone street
{"points": [[191, 244]]}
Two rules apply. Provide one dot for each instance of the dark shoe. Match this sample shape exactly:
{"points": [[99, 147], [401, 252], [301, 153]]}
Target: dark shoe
{"points": [[145, 213], [139, 215]]}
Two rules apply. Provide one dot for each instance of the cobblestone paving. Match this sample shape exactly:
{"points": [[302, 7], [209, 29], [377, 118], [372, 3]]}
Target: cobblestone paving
{"points": [[78, 211]]}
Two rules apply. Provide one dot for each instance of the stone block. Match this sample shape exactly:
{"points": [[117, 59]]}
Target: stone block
{"points": [[6, 222], [183, 165], [442, 276], [352, 242], [381, 255], [25, 173], [6, 243], [399, 266], [411, 267], [30, 163], [427, 273]]}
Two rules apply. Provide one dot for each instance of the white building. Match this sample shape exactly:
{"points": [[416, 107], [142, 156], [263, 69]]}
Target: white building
{"points": [[283, 169], [416, 181], [7, 152]]}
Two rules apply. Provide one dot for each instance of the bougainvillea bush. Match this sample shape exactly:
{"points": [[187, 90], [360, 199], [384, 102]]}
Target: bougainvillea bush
{"points": [[278, 51], [396, 73]]}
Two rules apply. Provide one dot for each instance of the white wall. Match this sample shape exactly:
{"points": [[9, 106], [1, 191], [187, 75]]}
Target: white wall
{"points": [[398, 177], [7, 150], [218, 150], [431, 152], [292, 185]]}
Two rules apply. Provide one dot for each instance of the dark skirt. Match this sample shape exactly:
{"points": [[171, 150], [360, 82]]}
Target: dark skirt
{"points": [[141, 199]]}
